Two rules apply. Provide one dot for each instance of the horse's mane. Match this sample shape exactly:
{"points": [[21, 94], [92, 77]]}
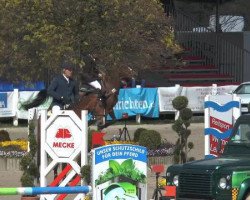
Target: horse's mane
{"points": [[40, 99]]}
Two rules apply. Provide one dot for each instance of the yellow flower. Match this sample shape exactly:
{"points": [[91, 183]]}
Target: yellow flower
{"points": [[162, 182], [109, 142], [23, 144]]}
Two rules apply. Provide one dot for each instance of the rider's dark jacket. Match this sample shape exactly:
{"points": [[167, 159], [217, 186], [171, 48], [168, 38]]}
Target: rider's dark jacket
{"points": [[90, 71], [62, 91]]}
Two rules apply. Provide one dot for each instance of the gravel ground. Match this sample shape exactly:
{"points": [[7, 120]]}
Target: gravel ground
{"points": [[11, 178]]}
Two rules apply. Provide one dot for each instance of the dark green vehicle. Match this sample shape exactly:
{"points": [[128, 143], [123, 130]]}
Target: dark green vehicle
{"points": [[224, 178]]}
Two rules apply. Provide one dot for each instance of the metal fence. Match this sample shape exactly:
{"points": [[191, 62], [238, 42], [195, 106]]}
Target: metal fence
{"points": [[211, 46]]}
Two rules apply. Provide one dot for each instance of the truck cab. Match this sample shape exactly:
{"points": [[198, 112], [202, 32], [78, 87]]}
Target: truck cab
{"points": [[226, 177]]}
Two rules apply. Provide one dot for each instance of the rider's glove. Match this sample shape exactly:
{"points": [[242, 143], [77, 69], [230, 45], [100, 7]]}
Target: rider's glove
{"points": [[65, 100]]}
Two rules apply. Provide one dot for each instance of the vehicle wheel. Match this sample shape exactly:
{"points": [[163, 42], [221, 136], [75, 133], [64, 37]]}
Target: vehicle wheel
{"points": [[247, 196]]}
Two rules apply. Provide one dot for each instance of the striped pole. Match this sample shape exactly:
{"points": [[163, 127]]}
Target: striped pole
{"points": [[44, 190]]}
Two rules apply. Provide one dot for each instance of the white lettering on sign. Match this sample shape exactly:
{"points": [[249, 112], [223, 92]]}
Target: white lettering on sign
{"points": [[64, 145], [103, 151], [220, 124]]}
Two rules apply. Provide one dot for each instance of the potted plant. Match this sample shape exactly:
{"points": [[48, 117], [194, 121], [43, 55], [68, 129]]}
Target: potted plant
{"points": [[28, 163]]}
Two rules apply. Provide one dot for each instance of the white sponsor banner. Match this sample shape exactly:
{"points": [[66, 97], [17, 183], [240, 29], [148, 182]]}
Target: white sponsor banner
{"points": [[227, 89], [196, 97], [7, 104], [166, 96]]}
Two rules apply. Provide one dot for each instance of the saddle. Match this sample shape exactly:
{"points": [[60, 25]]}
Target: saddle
{"points": [[87, 89]]}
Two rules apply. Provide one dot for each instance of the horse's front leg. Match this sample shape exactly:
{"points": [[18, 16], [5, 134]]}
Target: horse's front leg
{"points": [[112, 115]]}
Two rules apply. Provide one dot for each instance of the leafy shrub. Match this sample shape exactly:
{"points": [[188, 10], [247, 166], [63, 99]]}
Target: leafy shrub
{"points": [[180, 126], [150, 139], [186, 114], [180, 102], [85, 173], [138, 133], [28, 162], [4, 136]]}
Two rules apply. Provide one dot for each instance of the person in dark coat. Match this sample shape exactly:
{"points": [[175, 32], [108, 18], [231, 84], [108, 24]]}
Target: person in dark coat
{"points": [[63, 88], [91, 75], [64, 91]]}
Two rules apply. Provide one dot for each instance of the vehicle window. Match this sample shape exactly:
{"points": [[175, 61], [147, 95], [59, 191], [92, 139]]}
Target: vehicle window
{"points": [[239, 90], [243, 133], [247, 89]]}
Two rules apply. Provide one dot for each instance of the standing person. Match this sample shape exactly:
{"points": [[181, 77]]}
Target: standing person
{"points": [[63, 88], [64, 91]]}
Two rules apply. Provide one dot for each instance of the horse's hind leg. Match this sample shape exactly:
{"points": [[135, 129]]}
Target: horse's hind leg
{"points": [[112, 115]]}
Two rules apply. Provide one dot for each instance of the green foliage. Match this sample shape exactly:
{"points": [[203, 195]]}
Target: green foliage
{"points": [[180, 126], [150, 139], [85, 173], [190, 145], [186, 114], [4, 136], [137, 134], [28, 162], [177, 126], [126, 169], [27, 180], [180, 102], [35, 35]]}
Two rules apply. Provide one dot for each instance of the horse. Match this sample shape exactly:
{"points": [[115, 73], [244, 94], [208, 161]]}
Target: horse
{"points": [[96, 104]]}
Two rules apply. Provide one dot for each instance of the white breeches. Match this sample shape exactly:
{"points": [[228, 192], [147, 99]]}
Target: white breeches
{"points": [[55, 109], [96, 84]]}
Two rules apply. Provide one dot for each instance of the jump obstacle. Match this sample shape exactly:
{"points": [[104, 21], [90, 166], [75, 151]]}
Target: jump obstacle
{"points": [[44, 190], [63, 138]]}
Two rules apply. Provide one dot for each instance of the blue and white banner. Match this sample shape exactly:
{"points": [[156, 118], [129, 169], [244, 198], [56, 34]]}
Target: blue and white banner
{"points": [[114, 152], [7, 104], [143, 101]]}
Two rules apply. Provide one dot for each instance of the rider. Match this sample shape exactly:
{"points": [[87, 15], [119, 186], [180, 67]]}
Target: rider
{"points": [[91, 75], [63, 88]]}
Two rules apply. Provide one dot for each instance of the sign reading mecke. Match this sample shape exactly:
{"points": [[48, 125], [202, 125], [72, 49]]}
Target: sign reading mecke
{"points": [[62, 136]]}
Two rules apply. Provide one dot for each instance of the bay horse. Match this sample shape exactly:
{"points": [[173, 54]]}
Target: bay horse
{"points": [[100, 107], [96, 104]]}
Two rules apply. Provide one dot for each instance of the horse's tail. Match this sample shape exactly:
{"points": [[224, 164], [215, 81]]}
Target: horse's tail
{"points": [[40, 99]]}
